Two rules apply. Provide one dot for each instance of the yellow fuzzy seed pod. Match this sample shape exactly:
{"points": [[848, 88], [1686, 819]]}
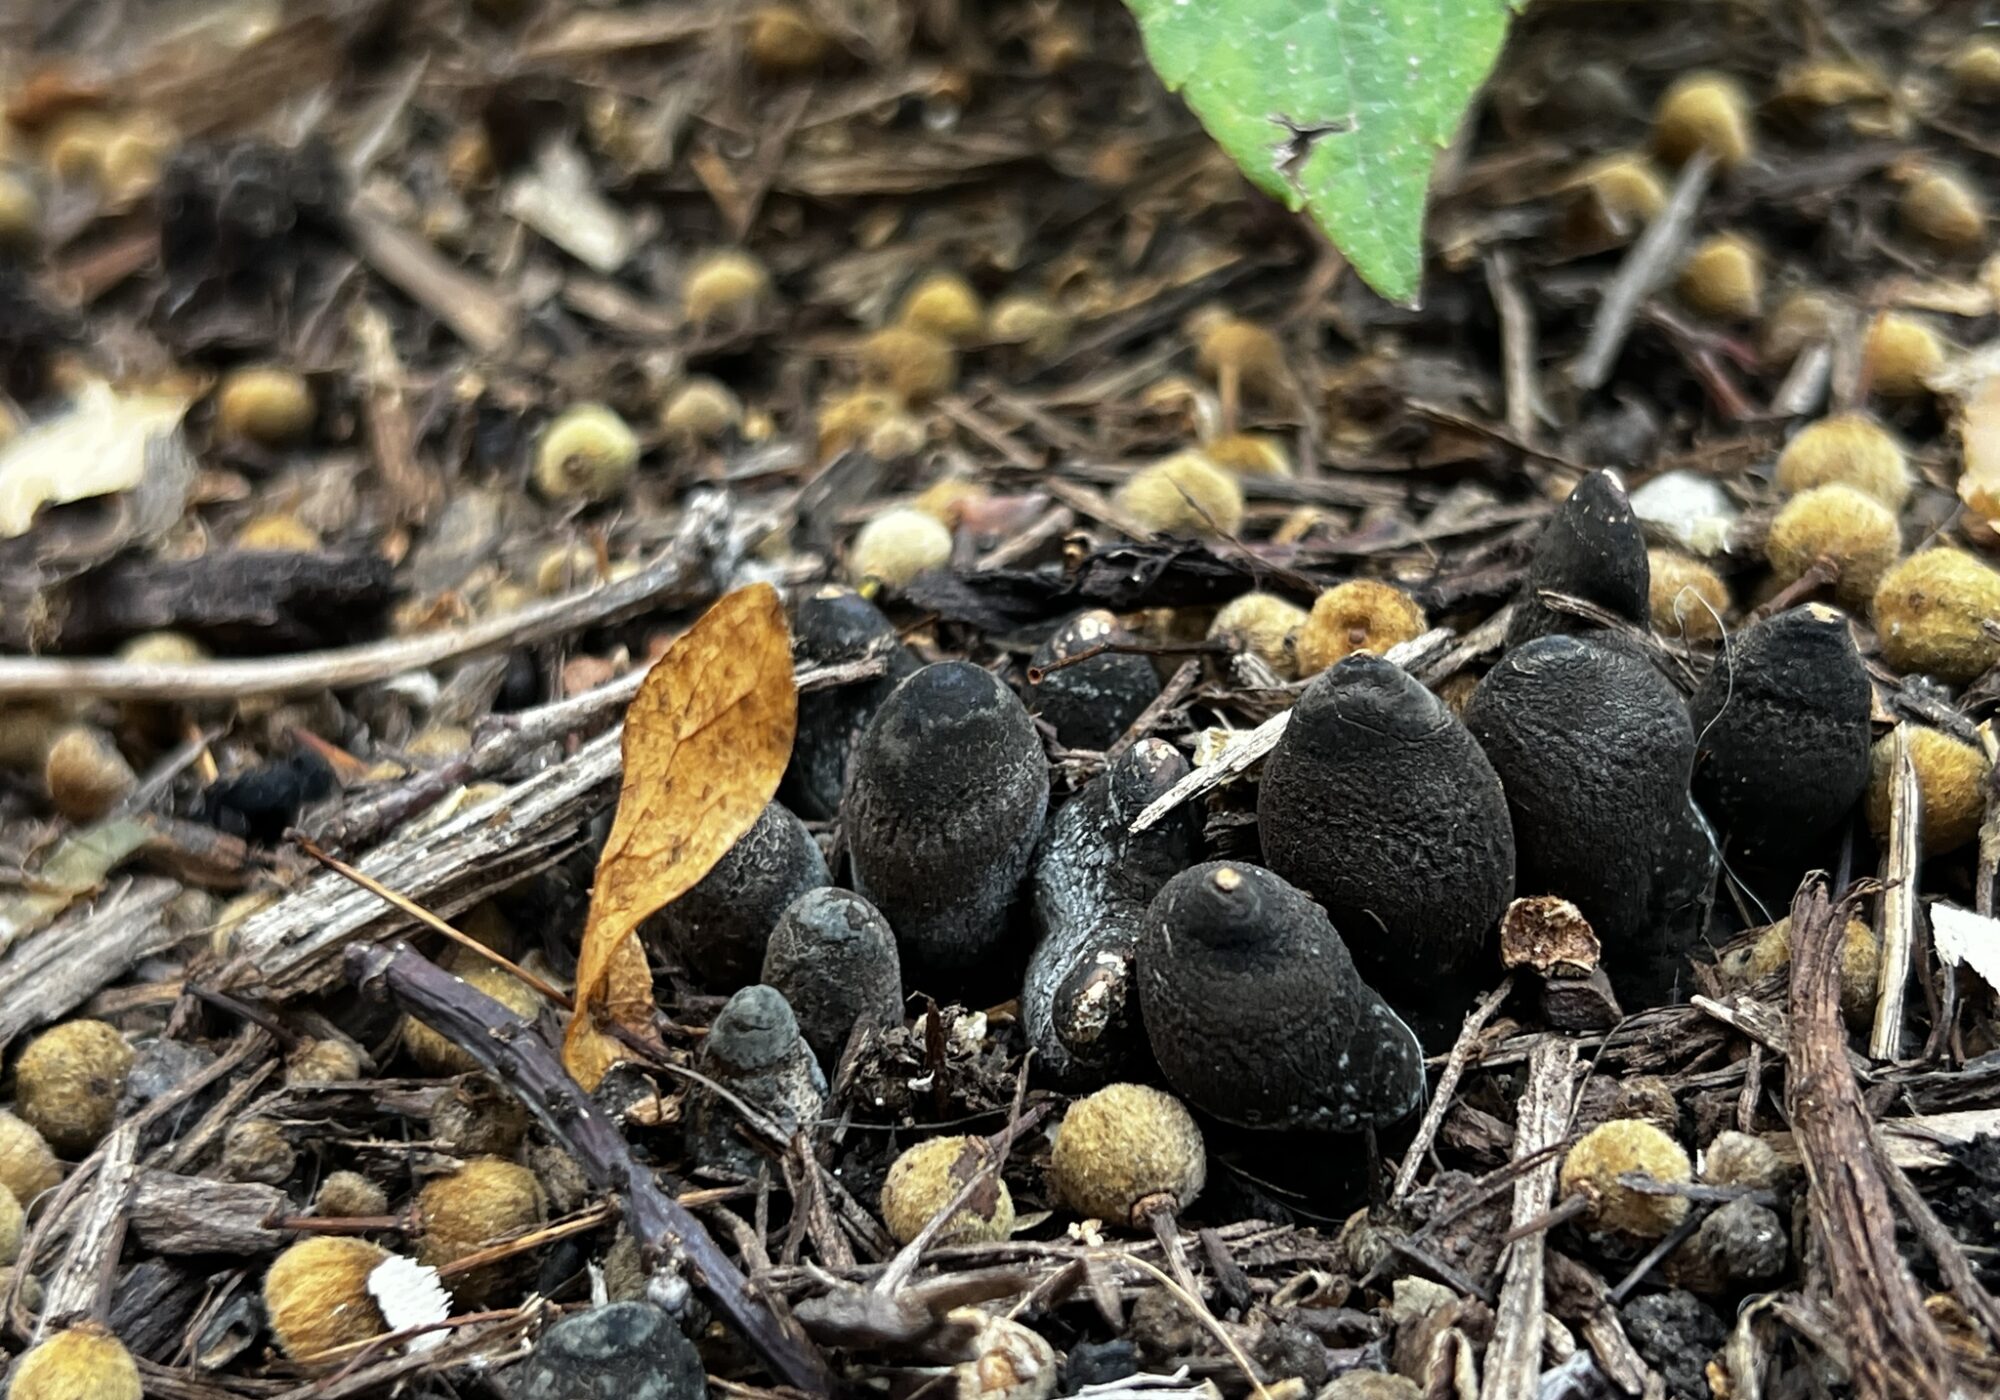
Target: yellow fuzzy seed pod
{"points": [[1854, 532], [586, 453], [1688, 600], [1826, 84], [1975, 69], [784, 40], [1703, 112], [83, 1363], [1124, 1150], [913, 364], [73, 150], [1249, 454], [1900, 355], [277, 534], [1929, 612], [12, 1224], [1185, 494], [1265, 623], [316, 1295], [163, 649], [565, 568], [1941, 207], [322, 1062], [896, 546], [435, 1054], [927, 1177], [27, 1167], [268, 406], [1848, 449], [1723, 279], [1226, 345], [701, 410], [1615, 196], [20, 213], [346, 1193], [945, 305], [948, 497], [1951, 787], [67, 1083], [848, 420], [1359, 615], [1035, 323], [1610, 1151], [1860, 963], [86, 775], [1801, 319], [480, 1204], [1742, 1159], [724, 286]]}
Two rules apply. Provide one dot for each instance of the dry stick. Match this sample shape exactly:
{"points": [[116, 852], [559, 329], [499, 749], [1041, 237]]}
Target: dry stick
{"points": [[81, 1283], [1937, 1239], [680, 571], [1895, 1348], [1644, 268], [507, 1048], [424, 916], [1461, 1056], [1899, 900], [1513, 1360], [1517, 344]]}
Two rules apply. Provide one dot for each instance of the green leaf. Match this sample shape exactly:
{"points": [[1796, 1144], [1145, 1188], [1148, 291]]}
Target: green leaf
{"points": [[1337, 106]]}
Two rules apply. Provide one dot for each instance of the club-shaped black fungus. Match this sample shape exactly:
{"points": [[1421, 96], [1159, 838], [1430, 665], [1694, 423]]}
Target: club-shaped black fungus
{"points": [[1591, 549], [1256, 1014], [1093, 882], [753, 1050], [1594, 749], [946, 803], [1781, 737], [1089, 703], [1379, 804], [719, 928], [833, 626], [834, 958]]}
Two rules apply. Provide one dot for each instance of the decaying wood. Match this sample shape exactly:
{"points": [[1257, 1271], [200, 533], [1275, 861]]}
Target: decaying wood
{"points": [[682, 572], [1514, 1359], [1899, 900], [509, 1049], [1462, 1051], [80, 1286], [1896, 1352], [58, 969], [173, 1214]]}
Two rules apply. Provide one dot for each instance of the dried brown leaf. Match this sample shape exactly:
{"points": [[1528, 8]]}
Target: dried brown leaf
{"points": [[706, 740]]}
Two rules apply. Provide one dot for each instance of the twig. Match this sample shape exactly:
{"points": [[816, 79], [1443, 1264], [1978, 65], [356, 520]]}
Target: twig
{"points": [[1899, 899], [1513, 1359], [1461, 1056], [1645, 267], [1517, 344], [81, 1284], [552, 994], [507, 1047], [1895, 1347], [682, 570]]}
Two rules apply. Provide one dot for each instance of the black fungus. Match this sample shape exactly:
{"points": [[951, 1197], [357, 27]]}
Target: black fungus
{"points": [[1089, 703], [226, 209], [1093, 882], [946, 803], [1594, 749], [1380, 804], [32, 329], [833, 626], [834, 958], [1781, 738], [1592, 549], [259, 803], [754, 1051], [621, 1351], [1256, 1014], [1095, 1363], [719, 928]]}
